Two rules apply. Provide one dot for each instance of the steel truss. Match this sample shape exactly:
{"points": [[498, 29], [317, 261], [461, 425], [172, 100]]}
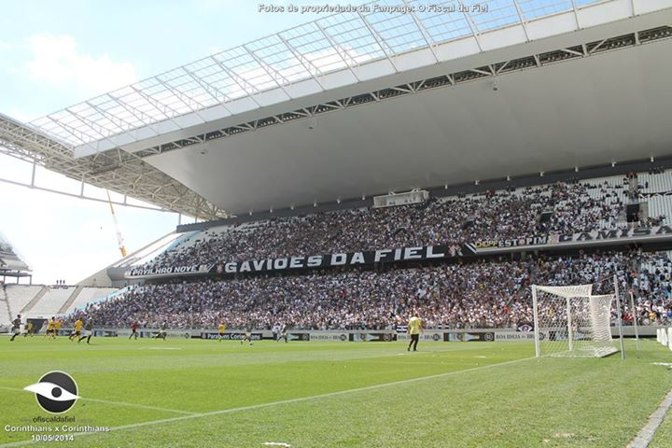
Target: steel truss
{"points": [[114, 170]]}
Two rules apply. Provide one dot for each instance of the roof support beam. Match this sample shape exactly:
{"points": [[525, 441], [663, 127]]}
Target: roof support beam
{"points": [[97, 128], [305, 62], [240, 82], [576, 15], [425, 34], [522, 20], [184, 99], [157, 104], [211, 90], [379, 41], [341, 53], [270, 72], [121, 124], [474, 30], [69, 129]]}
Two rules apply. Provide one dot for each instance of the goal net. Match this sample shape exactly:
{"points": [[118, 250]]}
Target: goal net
{"points": [[569, 321]]}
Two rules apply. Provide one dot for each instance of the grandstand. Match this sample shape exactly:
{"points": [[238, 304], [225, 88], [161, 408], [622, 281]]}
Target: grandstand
{"points": [[37, 301], [20, 298], [364, 166], [84, 296]]}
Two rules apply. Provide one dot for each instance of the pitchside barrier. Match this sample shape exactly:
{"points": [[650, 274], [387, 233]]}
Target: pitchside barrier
{"points": [[664, 336], [475, 335]]}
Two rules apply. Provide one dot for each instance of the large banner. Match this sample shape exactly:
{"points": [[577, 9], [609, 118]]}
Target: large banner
{"points": [[169, 271], [418, 253], [229, 336], [583, 238]]}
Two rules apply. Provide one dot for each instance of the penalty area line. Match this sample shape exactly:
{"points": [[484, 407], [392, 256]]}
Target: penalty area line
{"points": [[283, 402]]}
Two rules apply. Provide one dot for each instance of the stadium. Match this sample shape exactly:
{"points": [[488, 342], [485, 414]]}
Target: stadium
{"points": [[414, 224]]}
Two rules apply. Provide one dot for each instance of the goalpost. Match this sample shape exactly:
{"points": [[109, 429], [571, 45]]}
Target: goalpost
{"points": [[570, 321]]}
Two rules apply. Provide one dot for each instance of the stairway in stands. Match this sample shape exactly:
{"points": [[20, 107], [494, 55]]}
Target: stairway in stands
{"points": [[29, 306], [70, 300]]}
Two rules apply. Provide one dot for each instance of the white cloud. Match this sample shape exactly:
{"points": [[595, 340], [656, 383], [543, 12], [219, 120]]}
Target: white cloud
{"points": [[56, 60]]}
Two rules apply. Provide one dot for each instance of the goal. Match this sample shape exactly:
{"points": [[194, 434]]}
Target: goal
{"points": [[571, 322]]}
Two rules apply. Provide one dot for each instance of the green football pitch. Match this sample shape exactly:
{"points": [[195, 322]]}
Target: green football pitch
{"points": [[197, 393]]}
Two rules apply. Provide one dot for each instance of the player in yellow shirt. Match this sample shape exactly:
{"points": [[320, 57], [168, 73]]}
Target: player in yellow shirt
{"points": [[77, 332], [414, 329], [221, 329], [51, 328], [29, 329]]}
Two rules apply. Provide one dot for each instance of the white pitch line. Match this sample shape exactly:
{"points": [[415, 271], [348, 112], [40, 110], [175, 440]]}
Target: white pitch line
{"points": [[645, 435], [118, 403], [140, 406], [281, 402]]}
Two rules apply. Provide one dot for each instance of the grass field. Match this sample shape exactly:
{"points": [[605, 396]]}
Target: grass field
{"points": [[193, 393]]}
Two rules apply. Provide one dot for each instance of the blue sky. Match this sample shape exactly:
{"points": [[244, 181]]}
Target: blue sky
{"points": [[43, 41], [54, 54]]}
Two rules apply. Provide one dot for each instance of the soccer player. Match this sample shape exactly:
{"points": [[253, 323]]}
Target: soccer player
{"points": [[77, 331], [89, 331], [162, 332], [282, 333], [248, 334], [29, 329], [134, 330], [221, 329], [16, 327], [51, 328], [414, 329]]}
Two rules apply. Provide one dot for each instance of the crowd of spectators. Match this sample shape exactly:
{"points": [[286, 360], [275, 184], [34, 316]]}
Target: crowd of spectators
{"points": [[481, 294], [557, 208], [468, 294], [652, 290]]}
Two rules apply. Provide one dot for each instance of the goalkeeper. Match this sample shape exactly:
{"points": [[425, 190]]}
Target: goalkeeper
{"points": [[414, 329]]}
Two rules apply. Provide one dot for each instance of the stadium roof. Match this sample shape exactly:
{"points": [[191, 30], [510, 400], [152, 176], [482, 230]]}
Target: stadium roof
{"points": [[307, 52], [10, 259], [373, 100]]}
